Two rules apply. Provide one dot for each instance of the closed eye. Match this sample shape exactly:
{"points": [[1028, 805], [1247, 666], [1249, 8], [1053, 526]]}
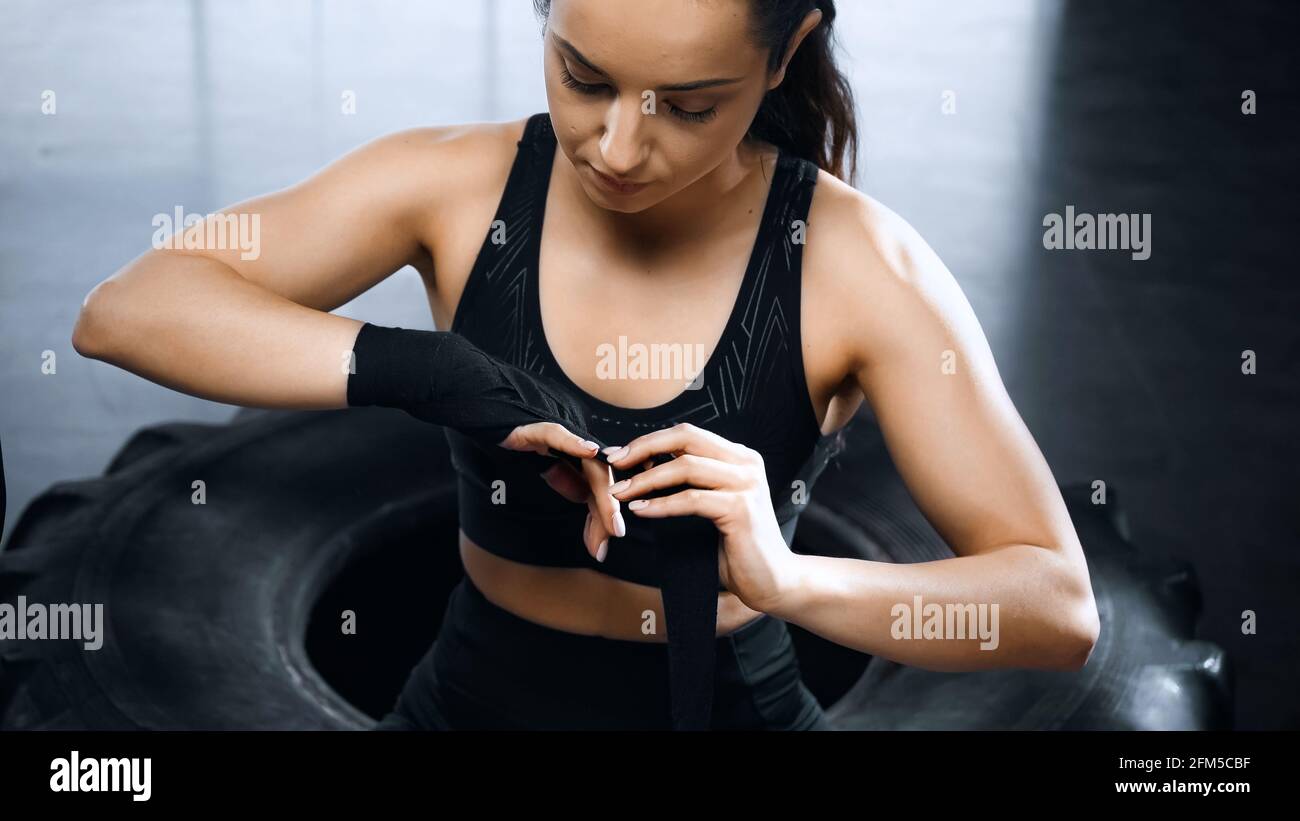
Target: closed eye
{"points": [[589, 89], [582, 88]]}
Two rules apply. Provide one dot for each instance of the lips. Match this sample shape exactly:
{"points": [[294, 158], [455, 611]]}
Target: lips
{"points": [[615, 186]]}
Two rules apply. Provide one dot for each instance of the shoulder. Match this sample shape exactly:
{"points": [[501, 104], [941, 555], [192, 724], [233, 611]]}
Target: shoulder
{"points": [[431, 166], [425, 150], [874, 279], [441, 182]]}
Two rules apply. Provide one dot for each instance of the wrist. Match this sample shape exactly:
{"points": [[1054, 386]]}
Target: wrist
{"points": [[795, 588], [390, 367], [443, 378]]}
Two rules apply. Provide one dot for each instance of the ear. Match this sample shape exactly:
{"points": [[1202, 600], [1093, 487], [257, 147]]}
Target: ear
{"points": [[809, 23]]}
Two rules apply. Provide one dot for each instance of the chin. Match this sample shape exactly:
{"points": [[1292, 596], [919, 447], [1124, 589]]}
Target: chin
{"points": [[613, 202], [620, 207]]}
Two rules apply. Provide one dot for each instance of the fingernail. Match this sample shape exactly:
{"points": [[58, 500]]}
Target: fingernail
{"points": [[589, 445], [610, 449], [619, 487], [618, 454], [620, 529], [602, 551], [637, 504]]}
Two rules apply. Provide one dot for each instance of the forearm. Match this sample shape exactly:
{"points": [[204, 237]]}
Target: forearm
{"points": [[1020, 606], [195, 325]]}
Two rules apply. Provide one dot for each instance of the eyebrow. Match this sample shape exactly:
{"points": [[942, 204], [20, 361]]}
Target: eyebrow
{"points": [[691, 86]]}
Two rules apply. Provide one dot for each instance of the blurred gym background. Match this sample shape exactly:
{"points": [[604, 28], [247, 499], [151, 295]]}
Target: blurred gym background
{"points": [[1126, 371]]}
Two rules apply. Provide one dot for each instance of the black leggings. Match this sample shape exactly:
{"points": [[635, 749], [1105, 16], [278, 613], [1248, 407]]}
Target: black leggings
{"points": [[491, 669]]}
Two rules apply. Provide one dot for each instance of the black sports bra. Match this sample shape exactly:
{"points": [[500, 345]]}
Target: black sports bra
{"points": [[753, 389]]}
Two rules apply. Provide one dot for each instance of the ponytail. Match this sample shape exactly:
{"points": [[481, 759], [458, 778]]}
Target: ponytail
{"points": [[811, 114]]}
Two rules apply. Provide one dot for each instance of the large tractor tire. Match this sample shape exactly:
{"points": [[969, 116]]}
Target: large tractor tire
{"points": [[228, 614]]}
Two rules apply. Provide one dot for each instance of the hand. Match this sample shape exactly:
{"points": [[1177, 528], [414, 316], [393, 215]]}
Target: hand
{"points": [[604, 518], [728, 485]]}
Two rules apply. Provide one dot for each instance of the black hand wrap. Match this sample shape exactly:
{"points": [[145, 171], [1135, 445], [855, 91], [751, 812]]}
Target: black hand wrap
{"points": [[442, 378]]}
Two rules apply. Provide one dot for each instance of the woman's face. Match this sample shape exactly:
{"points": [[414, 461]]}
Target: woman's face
{"points": [[653, 92]]}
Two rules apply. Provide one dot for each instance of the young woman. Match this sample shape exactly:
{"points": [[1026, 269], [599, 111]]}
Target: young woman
{"points": [[686, 185]]}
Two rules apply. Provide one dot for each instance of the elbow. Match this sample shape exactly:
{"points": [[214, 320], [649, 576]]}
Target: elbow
{"points": [[90, 331], [1082, 635], [1072, 621], [82, 341], [1077, 626]]}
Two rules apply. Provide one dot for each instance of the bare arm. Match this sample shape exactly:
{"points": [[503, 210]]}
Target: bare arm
{"points": [[258, 331], [969, 462]]}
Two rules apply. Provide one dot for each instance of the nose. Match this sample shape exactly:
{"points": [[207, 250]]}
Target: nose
{"points": [[623, 147]]}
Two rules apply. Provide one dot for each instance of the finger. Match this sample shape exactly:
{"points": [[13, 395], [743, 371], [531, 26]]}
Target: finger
{"points": [[565, 481], [711, 504], [687, 469], [586, 532], [556, 437], [680, 438], [545, 437], [526, 438], [595, 538], [644, 465], [608, 509]]}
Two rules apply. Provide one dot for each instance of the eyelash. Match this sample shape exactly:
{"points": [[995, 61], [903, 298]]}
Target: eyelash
{"points": [[586, 88]]}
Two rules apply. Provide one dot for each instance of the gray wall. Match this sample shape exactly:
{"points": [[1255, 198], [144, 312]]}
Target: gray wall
{"points": [[201, 104]]}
